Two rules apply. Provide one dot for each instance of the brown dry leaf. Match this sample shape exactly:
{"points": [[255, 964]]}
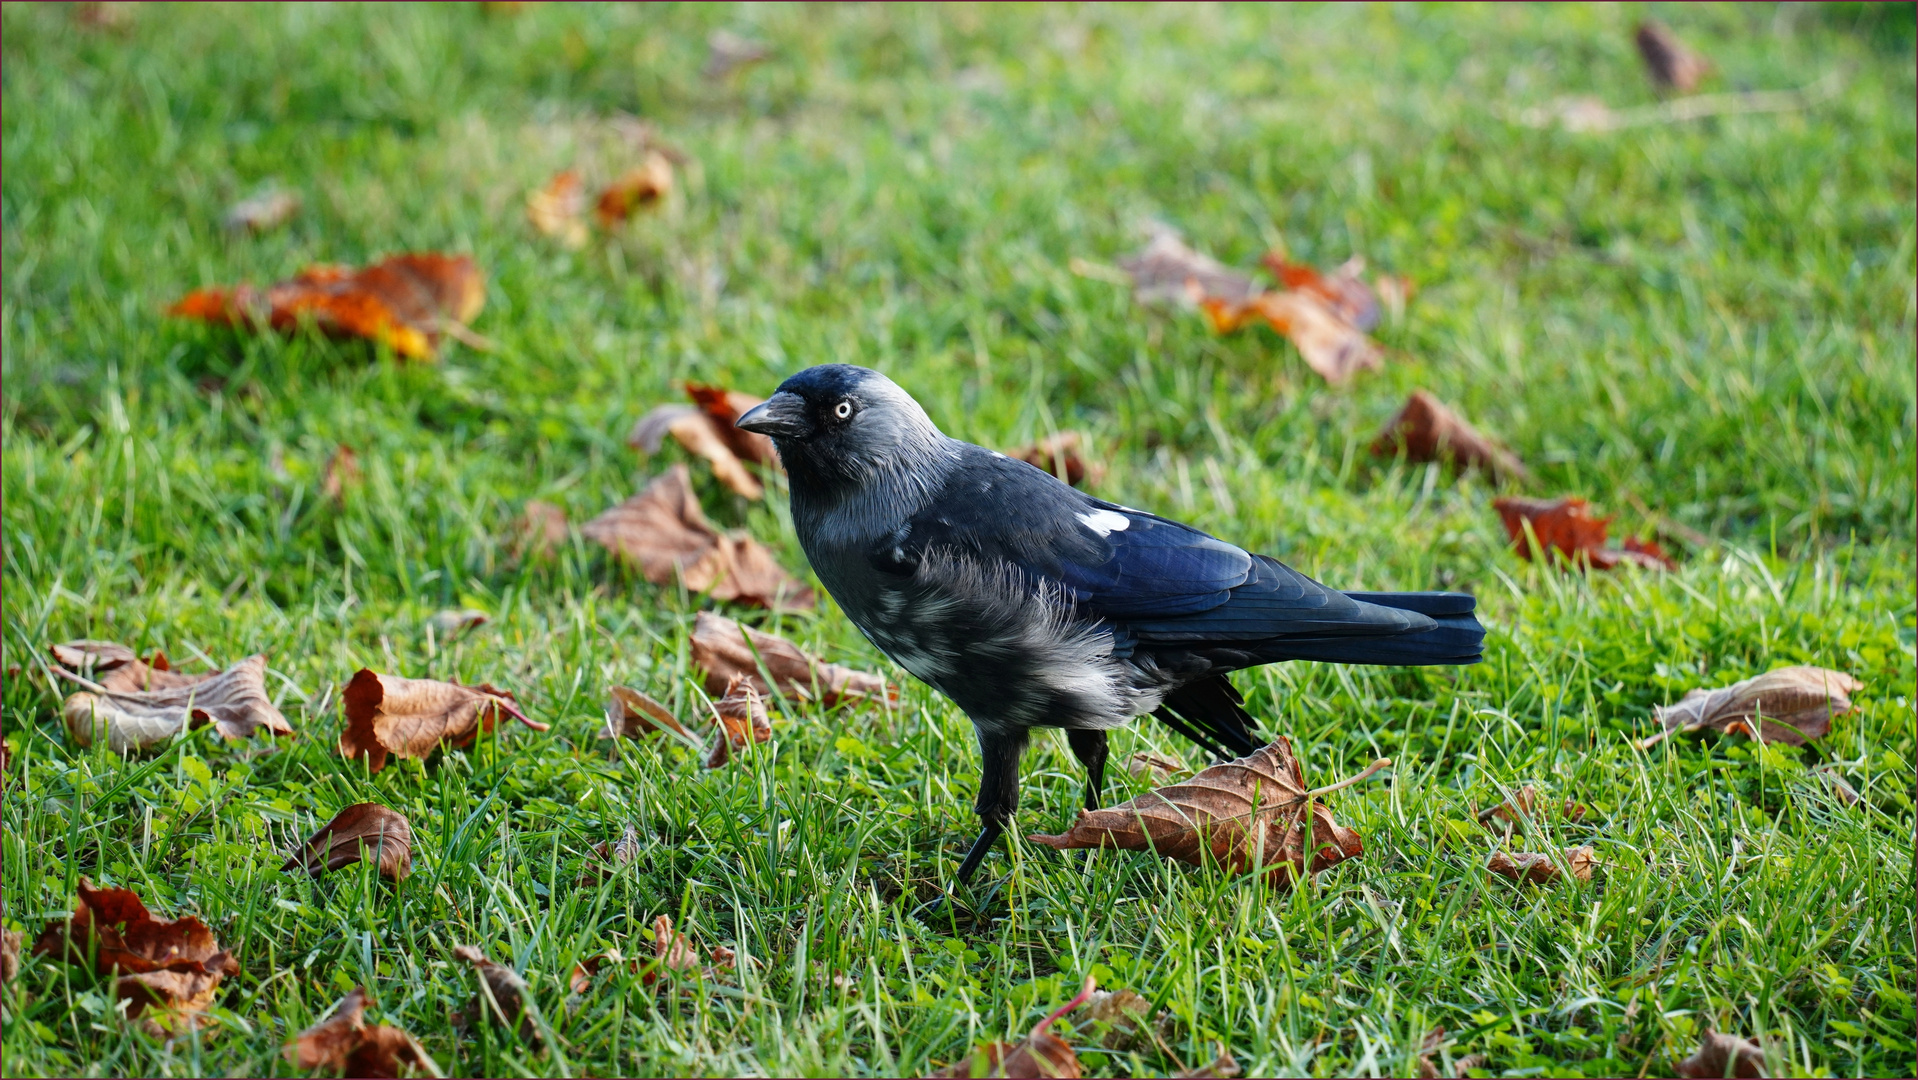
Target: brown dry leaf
{"points": [[1062, 456], [611, 855], [1331, 346], [1039, 1054], [413, 717], [1243, 814], [702, 437], [1524, 803], [1791, 705], [650, 431], [1124, 1013], [267, 209], [1538, 868], [1343, 291], [1426, 429], [10, 942], [742, 719], [1428, 1068], [342, 473], [641, 188], [540, 530], [663, 531], [1568, 533], [1168, 270], [117, 668], [558, 210], [1159, 766], [724, 649], [116, 15], [1223, 1067], [343, 1043], [673, 952], [1721, 1055], [1671, 65], [344, 840], [233, 701], [406, 302], [168, 971], [630, 714], [1840, 788], [452, 622], [727, 52], [725, 406], [502, 997]]}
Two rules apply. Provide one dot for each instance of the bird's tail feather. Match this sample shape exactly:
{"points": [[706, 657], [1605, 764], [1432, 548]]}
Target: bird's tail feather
{"points": [[1212, 713], [1457, 639]]}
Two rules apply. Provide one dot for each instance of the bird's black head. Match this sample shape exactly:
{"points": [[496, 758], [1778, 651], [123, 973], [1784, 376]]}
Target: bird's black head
{"points": [[837, 424]]}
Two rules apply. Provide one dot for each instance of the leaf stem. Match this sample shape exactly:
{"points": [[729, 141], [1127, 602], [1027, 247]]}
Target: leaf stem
{"points": [[1085, 993], [1381, 763]]}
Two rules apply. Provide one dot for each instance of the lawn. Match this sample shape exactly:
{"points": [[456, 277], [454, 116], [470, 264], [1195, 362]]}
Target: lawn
{"points": [[1706, 328]]}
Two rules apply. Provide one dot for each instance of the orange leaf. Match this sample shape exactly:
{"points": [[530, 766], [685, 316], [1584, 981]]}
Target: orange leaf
{"points": [[558, 209], [1566, 532], [1671, 65], [640, 188], [1347, 294]]}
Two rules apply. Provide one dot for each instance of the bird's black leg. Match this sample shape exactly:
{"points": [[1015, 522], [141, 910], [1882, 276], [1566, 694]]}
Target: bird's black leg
{"points": [[998, 794], [1090, 748]]}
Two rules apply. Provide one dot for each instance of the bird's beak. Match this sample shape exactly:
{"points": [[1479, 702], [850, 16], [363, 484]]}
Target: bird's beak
{"points": [[783, 417]]}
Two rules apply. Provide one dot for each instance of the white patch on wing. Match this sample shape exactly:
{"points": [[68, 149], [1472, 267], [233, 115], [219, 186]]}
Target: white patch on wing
{"points": [[997, 454], [1105, 522]]}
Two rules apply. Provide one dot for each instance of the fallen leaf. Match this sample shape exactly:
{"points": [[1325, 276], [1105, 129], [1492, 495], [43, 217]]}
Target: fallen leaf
{"points": [[343, 1043], [1427, 430], [1343, 291], [1039, 1054], [233, 701], [267, 209], [342, 473], [1223, 1067], [1331, 346], [673, 952], [540, 530], [167, 971], [1721, 1055], [1244, 814], [630, 714], [1671, 65], [706, 430], [1568, 533], [413, 717], [10, 942], [1061, 455], [406, 302], [723, 649], [1428, 1068], [1790, 705], [664, 532], [1124, 1014], [344, 840], [105, 14], [742, 719], [558, 210], [727, 52], [1158, 766], [1840, 788], [700, 434], [611, 855], [452, 622], [1462, 1067], [726, 406], [1524, 803], [639, 188], [117, 668], [1539, 869], [1169, 270], [502, 997]]}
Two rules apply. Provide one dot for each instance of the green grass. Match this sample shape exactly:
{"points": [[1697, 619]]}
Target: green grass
{"points": [[1710, 323]]}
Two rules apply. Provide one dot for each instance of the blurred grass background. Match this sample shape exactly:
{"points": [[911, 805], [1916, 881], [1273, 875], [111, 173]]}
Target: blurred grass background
{"points": [[1707, 323]]}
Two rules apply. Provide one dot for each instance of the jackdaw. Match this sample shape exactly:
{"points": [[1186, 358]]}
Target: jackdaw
{"points": [[1032, 604]]}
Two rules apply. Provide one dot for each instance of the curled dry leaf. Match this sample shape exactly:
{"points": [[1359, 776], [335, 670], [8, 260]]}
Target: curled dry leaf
{"points": [[540, 530], [345, 840], [1223, 1067], [664, 532], [265, 210], [117, 668], [386, 714], [1792, 705], [452, 622], [1343, 291], [641, 188], [671, 952], [343, 1043], [342, 473], [742, 720], [168, 971], [1427, 430], [630, 714], [10, 942], [406, 302], [1331, 346], [1671, 65], [1245, 814], [707, 431], [1062, 456], [1168, 270], [610, 855], [1721, 1055], [233, 701], [558, 209], [727, 52], [1538, 868], [502, 998], [1039, 1054], [723, 649], [726, 406], [1524, 804], [1126, 1017], [1568, 533]]}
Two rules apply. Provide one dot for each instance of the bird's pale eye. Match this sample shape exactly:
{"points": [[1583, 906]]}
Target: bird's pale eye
{"points": [[843, 410]]}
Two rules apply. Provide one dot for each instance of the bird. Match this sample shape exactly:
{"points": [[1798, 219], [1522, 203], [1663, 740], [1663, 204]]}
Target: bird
{"points": [[1032, 604]]}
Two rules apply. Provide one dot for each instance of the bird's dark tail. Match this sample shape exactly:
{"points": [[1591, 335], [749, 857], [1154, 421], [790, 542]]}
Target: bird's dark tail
{"points": [[1457, 639], [1212, 713]]}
